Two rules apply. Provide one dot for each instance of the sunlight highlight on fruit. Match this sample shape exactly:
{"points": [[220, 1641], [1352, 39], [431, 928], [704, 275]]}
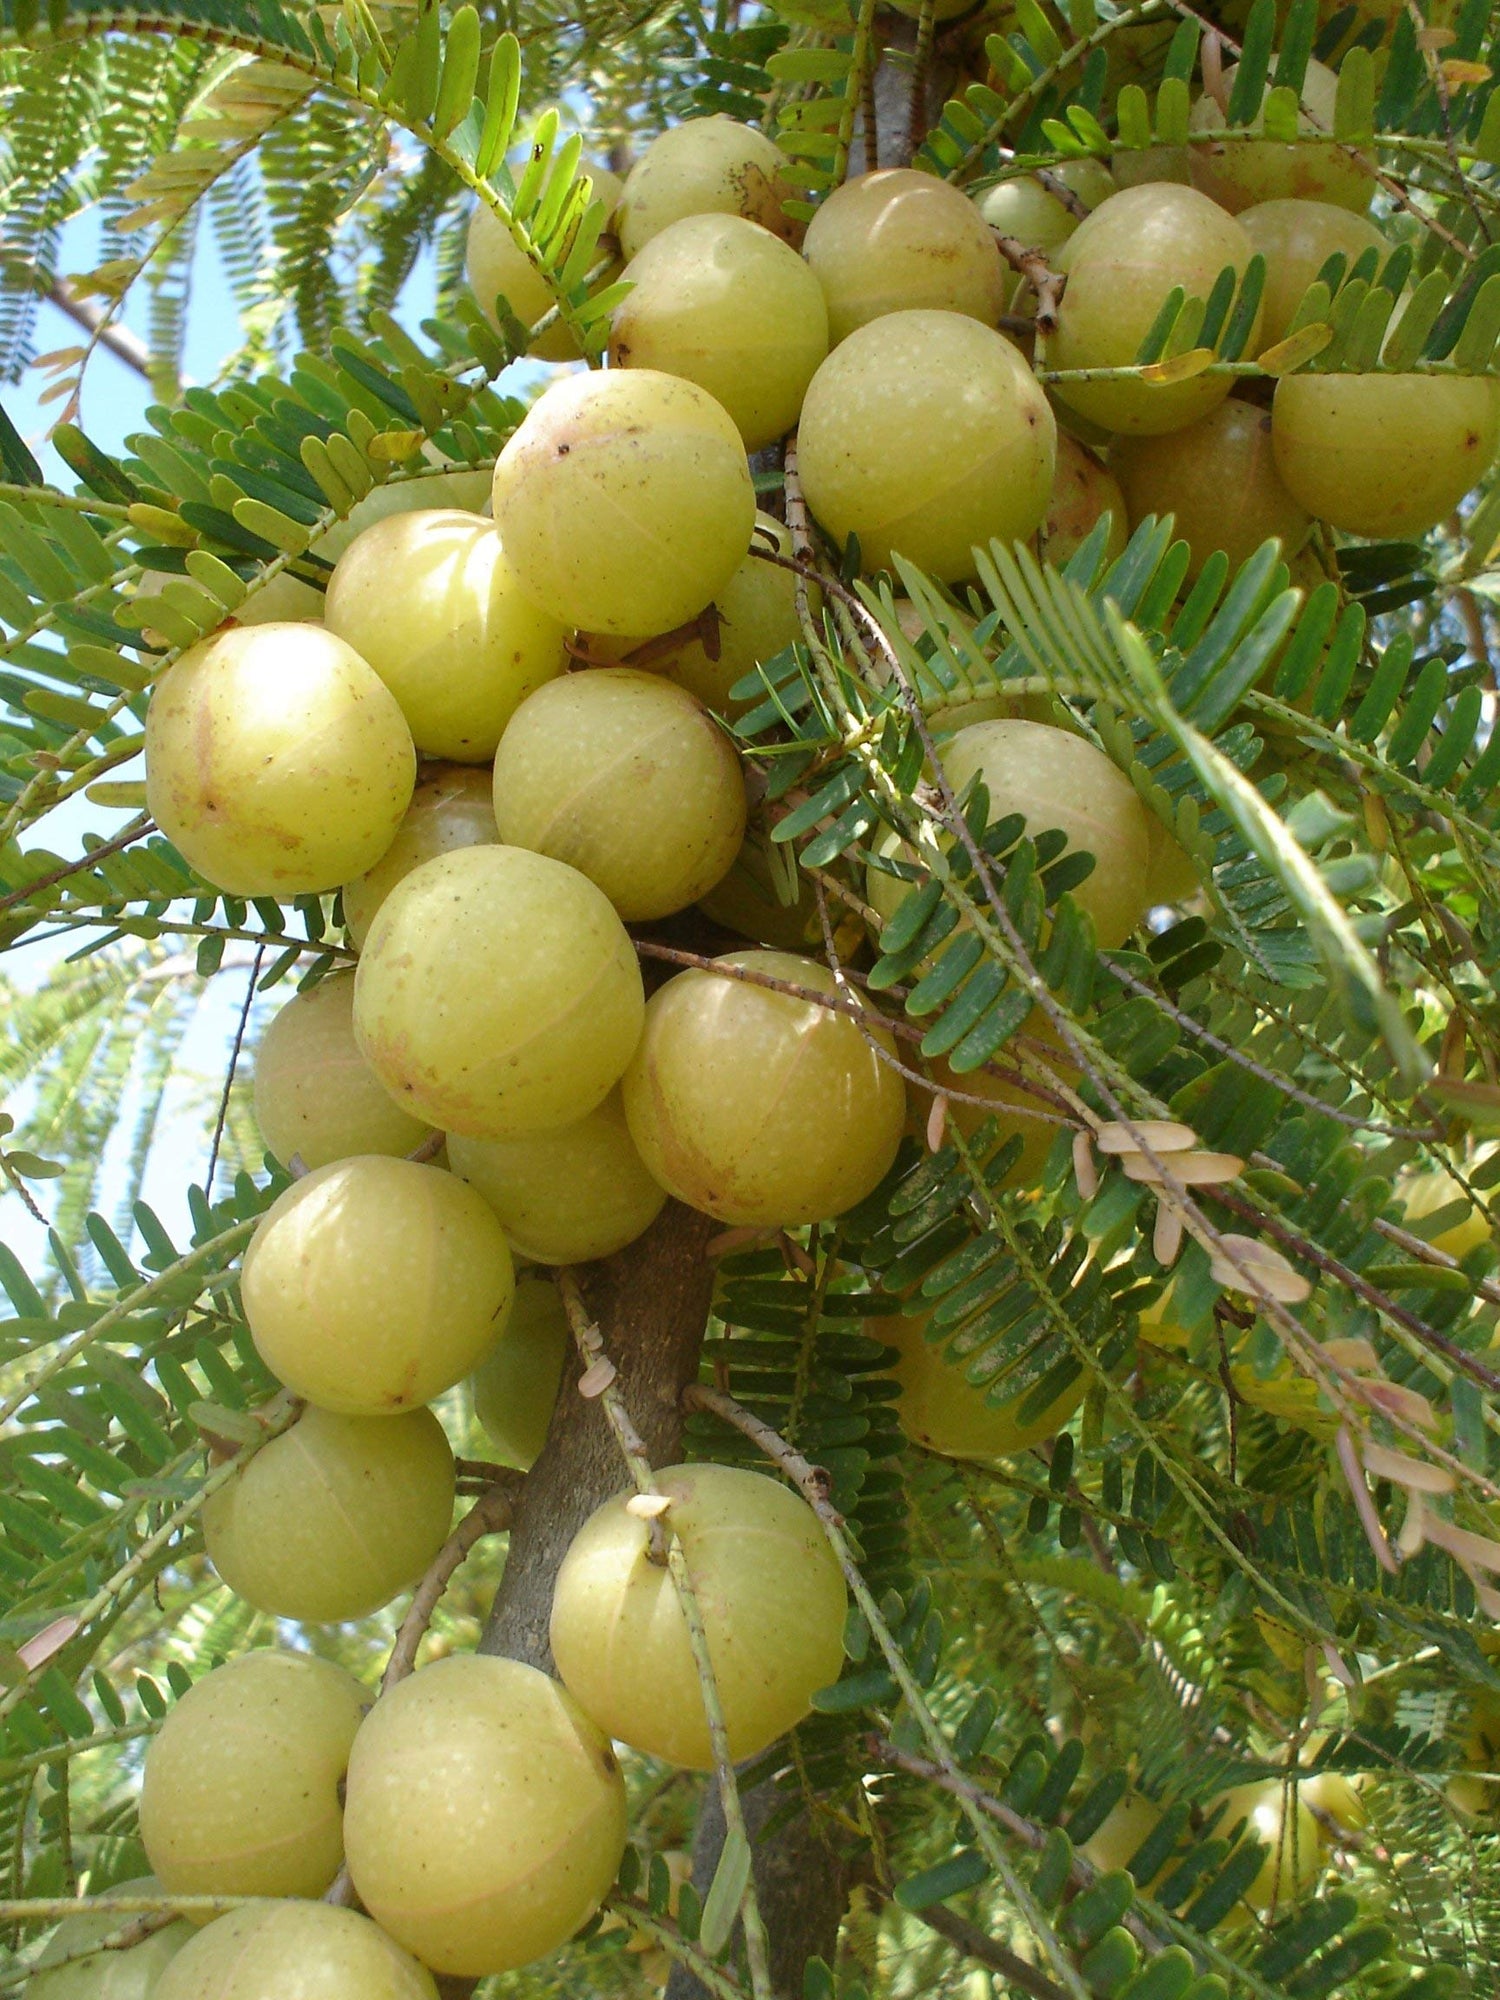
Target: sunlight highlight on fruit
{"points": [[708, 166], [899, 241]]}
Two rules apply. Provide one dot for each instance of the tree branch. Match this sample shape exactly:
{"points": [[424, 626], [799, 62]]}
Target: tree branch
{"points": [[121, 342], [975, 1944]]}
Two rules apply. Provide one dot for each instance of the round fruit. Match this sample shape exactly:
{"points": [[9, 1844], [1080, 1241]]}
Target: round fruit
{"points": [[759, 1108], [565, 1196], [294, 1951], [485, 1816], [1218, 478], [1297, 238], [724, 303], [498, 994], [1238, 172], [1385, 456], [498, 268], [710, 166], [1082, 490], [771, 1598], [458, 642], [515, 1387], [1474, 1791], [315, 1095], [1024, 208], [107, 1975], [1121, 266], [1338, 1795], [1295, 1857], [1055, 779], [240, 1790], [276, 760], [453, 806], [624, 501], [374, 1284], [333, 1518], [1124, 1831], [1019, 1113], [1425, 1194], [749, 899], [898, 241], [628, 779], [944, 1406], [925, 433]]}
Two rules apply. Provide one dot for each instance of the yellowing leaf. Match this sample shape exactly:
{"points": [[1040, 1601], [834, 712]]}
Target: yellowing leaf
{"points": [[1296, 348], [1456, 74], [1179, 367]]}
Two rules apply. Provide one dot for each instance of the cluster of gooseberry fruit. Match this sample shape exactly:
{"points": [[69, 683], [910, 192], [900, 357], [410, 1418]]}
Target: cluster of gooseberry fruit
{"points": [[498, 1007]]}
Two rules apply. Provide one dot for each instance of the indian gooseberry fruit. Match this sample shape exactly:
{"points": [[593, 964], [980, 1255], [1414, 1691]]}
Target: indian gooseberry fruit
{"points": [[1428, 1194], [240, 1789], [515, 1387], [1032, 213], [959, 1408], [1032, 1116], [1055, 779], [485, 1816], [498, 993], [1238, 171], [316, 1098], [757, 1107], [724, 303], [565, 1196], [498, 269], [926, 434], [1121, 264], [624, 500], [1122, 1834], [294, 1951], [709, 166], [1218, 478], [1297, 238], [333, 1518], [1083, 489], [277, 761], [374, 1284], [627, 778], [1277, 1817], [1385, 456], [107, 1975], [1171, 873], [453, 806], [895, 241], [459, 644], [1339, 1794], [769, 1593]]}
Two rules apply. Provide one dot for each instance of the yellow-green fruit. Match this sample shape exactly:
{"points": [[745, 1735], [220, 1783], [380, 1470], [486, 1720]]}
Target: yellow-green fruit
{"points": [[453, 806], [925, 433], [748, 900], [108, 1975], [334, 1517], [1018, 1113], [1383, 455], [1475, 1790], [1278, 1819], [759, 1108], [1425, 1194], [276, 760], [430, 601], [1338, 1795], [898, 241], [1238, 172], [1297, 238], [627, 778], [240, 1790], [498, 993], [945, 1409], [710, 166], [515, 1387], [1121, 265], [768, 1588], [757, 619], [1218, 478], [1082, 490], [624, 501], [1123, 1832], [294, 1951], [1032, 214], [498, 269], [565, 1196], [731, 307], [315, 1095], [485, 1816], [374, 1284], [1055, 779]]}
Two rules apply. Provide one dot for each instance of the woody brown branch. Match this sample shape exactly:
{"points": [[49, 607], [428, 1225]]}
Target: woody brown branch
{"points": [[1038, 273]]}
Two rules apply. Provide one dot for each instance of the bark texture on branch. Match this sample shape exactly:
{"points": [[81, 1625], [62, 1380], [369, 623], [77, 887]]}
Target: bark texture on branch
{"points": [[651, 1304]]}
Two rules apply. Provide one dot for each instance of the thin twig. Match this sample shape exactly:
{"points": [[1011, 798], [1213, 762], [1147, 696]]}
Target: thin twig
{"points": [[137, 830], [916, 115], [234, 1063], [121, 342], [490, 1515], [813, 1482], [976, 1944], [1038, 273]]}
